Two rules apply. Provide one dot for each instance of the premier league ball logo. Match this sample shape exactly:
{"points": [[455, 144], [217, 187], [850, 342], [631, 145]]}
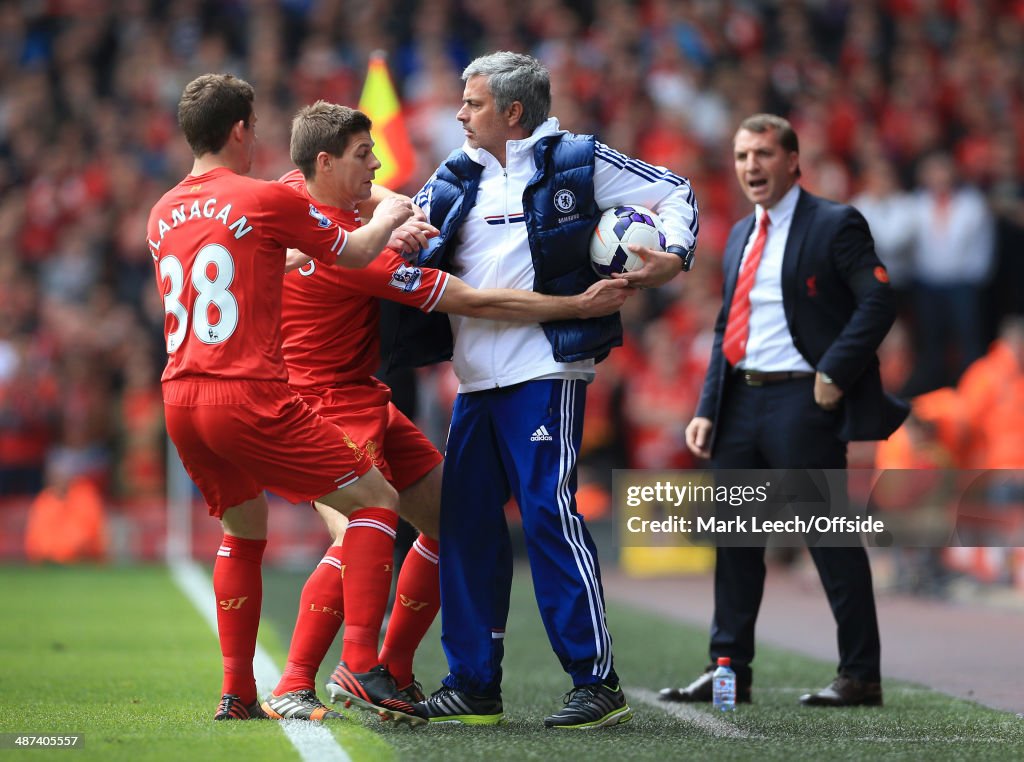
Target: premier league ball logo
{"points": [[619, 227]]}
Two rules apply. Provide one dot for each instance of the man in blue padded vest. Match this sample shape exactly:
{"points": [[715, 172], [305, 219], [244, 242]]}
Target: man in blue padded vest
{"points": [[515, 207]]}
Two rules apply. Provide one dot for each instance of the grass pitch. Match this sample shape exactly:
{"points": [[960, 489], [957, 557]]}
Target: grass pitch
{"points": [[120, 656]]}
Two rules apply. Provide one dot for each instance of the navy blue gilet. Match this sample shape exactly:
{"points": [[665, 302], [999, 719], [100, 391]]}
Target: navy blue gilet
{"points": [[561, 214]]}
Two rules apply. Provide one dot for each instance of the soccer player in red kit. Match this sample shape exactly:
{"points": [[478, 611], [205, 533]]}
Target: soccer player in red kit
{"points": [[330, 330], [218, 242]]}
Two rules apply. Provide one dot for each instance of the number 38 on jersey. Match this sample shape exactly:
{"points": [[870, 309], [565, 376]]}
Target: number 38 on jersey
{"points": [[214, 314]]}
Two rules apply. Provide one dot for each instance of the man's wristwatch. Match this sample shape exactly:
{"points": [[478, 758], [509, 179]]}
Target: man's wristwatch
{"points": [[684, 254], [825, 377]]}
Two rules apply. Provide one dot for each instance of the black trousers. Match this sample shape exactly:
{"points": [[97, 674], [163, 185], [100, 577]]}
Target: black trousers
{"points": [[780, 426]]}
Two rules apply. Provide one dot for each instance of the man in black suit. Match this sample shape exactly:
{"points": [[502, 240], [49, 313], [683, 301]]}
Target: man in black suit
{"points": [[793, 378]]}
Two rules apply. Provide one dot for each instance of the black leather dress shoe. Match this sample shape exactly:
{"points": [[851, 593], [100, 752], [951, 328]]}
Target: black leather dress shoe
{"points": [[845, 691], [699, 691]]}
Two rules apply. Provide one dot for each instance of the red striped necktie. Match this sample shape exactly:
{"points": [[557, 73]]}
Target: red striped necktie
{"points": [[737, 329]]}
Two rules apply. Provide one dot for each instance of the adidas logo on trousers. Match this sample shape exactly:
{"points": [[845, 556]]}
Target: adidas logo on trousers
{"points": [[541, 435]]}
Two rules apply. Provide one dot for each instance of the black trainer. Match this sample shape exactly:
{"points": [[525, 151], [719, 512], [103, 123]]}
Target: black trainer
{"points": [[232, 708], [374, 690], [447, 705], [591, 706]]}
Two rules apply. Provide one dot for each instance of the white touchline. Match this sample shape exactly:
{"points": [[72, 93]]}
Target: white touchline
{"points": [[709, 723], [311, 740]]}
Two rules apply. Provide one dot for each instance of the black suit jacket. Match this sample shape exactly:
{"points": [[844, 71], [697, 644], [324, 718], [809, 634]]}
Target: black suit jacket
{"points": [[838, 305]]}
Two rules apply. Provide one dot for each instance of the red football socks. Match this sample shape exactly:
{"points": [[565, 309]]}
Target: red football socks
{"points": [[238, 588], [417, 600], [321, 612], [367, 565]]}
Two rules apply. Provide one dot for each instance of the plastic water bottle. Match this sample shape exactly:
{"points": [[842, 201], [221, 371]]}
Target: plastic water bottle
{"points": [[723, 686]]}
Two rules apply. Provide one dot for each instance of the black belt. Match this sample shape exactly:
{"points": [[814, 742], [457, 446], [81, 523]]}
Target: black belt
{"points": [[761, 378]]}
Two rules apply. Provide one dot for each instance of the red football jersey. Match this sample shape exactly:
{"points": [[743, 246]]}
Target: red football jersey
{"points": [[330, 315], [218, 241]]}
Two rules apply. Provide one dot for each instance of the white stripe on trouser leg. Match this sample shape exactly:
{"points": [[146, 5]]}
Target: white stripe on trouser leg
{"points": [[602, 664], [572, 530]]}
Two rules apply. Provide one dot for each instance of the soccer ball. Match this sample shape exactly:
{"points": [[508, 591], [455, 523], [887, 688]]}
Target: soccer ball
{"points": [[618, 227]]}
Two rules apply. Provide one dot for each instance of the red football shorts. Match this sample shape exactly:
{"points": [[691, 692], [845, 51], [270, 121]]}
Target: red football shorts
{"points": [[376, 431], [237, 438]]}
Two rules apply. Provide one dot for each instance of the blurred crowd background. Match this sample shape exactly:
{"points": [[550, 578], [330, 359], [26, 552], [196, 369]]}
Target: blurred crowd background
{"points": [[913, 110]]}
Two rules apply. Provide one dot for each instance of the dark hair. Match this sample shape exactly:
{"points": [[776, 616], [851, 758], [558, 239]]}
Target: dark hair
{"points": [[765, 122], [515, 77], [323, 126], [210, 106], [761, 123]]}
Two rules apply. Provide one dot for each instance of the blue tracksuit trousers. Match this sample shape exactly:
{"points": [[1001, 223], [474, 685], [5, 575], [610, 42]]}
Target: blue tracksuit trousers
{"points": [[521, 440]]}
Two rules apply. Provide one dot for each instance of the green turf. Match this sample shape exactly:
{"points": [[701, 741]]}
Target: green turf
{"points": [[119, 655], [122, 657], [916, 723]]}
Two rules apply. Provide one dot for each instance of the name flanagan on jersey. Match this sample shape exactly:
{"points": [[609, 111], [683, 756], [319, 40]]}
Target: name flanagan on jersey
{"points": [[206, 210]]}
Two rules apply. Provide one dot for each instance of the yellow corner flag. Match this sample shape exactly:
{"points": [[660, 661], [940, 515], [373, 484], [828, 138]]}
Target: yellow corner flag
{"points": [[379, 101]]}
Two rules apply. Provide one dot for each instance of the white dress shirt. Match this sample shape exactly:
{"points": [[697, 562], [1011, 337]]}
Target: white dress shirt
{"points": [[770, 345]]}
